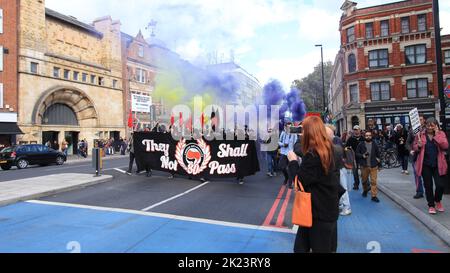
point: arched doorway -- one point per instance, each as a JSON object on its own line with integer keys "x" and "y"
{"x": 60, "y": 114}
{"x": 63, "y": 112}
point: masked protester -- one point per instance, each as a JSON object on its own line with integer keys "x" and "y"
{"x": 368, "y": 156}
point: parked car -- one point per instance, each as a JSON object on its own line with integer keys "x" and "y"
{"x": 23, "y": 156}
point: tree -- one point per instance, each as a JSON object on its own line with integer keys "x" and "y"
{"x": 311, "y": 87}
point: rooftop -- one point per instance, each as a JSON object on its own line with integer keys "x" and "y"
{"x": 73, "y": 21}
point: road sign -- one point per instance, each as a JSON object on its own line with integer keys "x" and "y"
{"x": 447, "y": 91}
{"x": 415, "y": 120}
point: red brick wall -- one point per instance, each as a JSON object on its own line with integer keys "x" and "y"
{"x": 8, "y": 39}
{"x": 396, "y": 57}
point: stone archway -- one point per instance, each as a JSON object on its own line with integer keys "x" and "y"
{"x": 77, "y": 100}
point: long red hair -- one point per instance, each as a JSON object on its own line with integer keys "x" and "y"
{"x": 315, "y": 140}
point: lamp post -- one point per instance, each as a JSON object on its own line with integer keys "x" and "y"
{"x": 323, "y": 80}
{"x": 440, "y": 77}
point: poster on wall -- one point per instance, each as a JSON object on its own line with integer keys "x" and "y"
{"x": 141, "y": 103}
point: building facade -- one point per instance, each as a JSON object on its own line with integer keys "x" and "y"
{"x": 389, "y": 62}
{"x": 9, "y": 12}
{"x": 336, "y": 94}
{"x": 139, "y": 73}
{"x": 70, "y": 77}
{"x": 249, "y": 91}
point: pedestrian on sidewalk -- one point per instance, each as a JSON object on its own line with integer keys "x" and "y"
{"x": 353, "y": 142}
{"x": 64, "y": 147}
{"x": 400, "y": 137}
{"x": 431, "y": 164}
{"x": 368, "y": 156}
{"x": 319, "y": 177}
{"x": 413, "y": 157}
{"x": 123, "y": 146}
{"x": 55, "y": 145}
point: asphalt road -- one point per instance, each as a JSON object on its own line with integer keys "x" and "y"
{"x": 124, "y": 215}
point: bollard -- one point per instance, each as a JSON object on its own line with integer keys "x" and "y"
{"x": 97, "y": 161}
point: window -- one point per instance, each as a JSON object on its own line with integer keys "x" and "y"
{"x": 84, "y": 77}
{"x": 447, "y": 56}
{"x": 351, "y": 63}
{"x": 34, "y": 67}
{"x": 101, "y": 81}
{"x": 384, "y": 28}
{"x": 114, "y": 83}
{"x": 354, "y": 93}
{"x": 141, "y": 51}
{"x": 1, "y": 21}
{"x": 422, "y": 22}
{"x": 66, "y": 74}
{"x": 1, "y": 58}
{"x": 350, "y": 34}
{"x": 369, "y": 30}
{"x": 1, "y": 95}
{"x": 75, "y": 75}
{"x": 56, "y": 72}
{"x": 417, "y": 88}
{"x": 405, "y": 25}
{"x": 380, "y": 91}
{"x": 93, "y": 79}
{"x": 140, "y": 75}
{"x": 379, "y": 58}
{"x": 415, "y": 54}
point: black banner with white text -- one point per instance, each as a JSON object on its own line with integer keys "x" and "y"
{"x": 202, "y": 158}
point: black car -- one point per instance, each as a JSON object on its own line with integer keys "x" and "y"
{"x": 24, "y": 155}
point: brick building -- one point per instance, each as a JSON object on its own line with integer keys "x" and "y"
{"x": 141, "y": 63}
{"x": 446, "y": 58}
{"x": 389, "y": 62}
{"x": 8, "y": 72}
{"x": 70, "y": 77}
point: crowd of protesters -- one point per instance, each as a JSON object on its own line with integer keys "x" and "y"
{"x": 330, "y": 172}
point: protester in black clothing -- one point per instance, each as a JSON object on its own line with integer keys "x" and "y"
{"x": 55, "y": 145}
{"x": 353, "y": 143}
{"x": 400, "y": 138}
{"x": 320, "y": 176}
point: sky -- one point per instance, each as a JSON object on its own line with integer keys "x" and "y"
{"x": 271, "y": 39}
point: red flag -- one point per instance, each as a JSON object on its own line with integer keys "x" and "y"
{"x": 189, "y": 124}
{"x": 181, "y": 119}
{"x": 130, "y": 120}
{"x": 202, "y": 120}
{"x": 172, "y": 120}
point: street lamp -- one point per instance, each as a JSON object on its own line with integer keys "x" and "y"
{"x": 440, "y": 78}
{"x": 323, "y": 80}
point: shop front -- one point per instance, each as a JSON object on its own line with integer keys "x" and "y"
{"x": 8, "y": 129}
{"x": 393, "y": 114}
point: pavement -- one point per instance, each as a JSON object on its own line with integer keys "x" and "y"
{"x": 71, "y": 159}
{"x": 36, "y": 187}
{"x": 401, "y": 189}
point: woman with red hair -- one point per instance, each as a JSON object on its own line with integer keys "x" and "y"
{"x": 320, "y": 177}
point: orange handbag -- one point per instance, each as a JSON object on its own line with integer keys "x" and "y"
{"x": 302, "y": 210}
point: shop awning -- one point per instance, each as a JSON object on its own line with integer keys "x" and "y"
{"x": 10, "y": 128}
